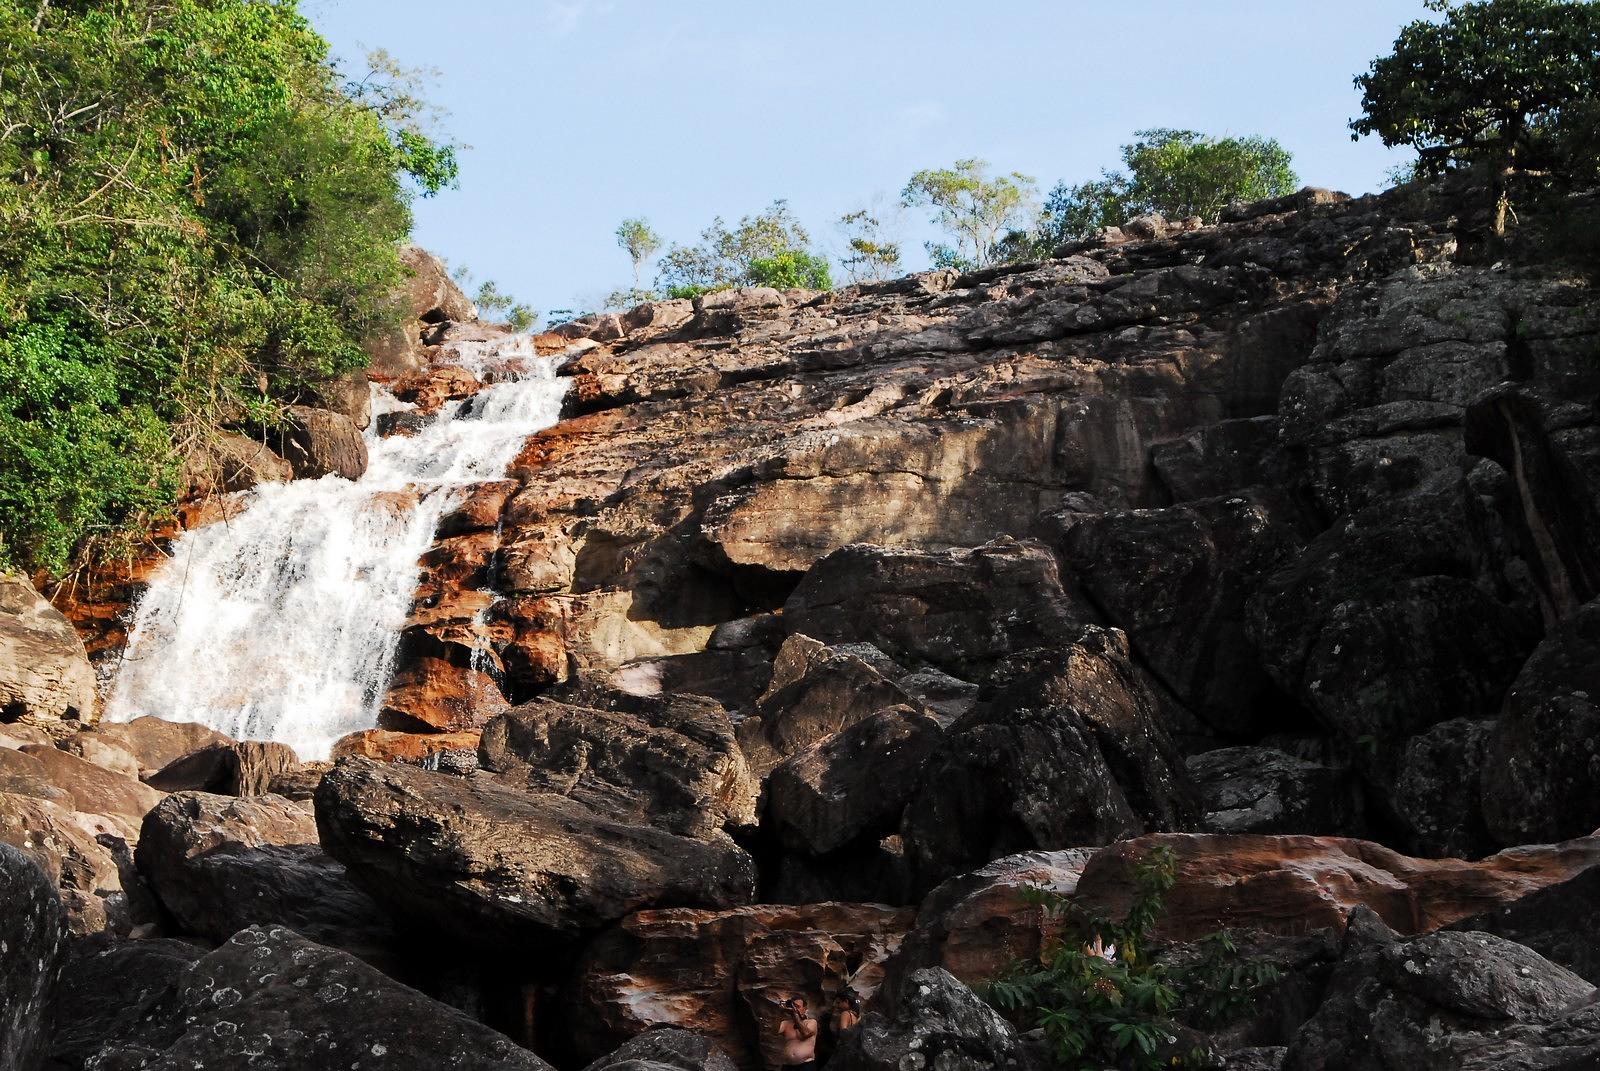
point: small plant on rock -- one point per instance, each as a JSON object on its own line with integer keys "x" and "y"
{"x": 1104, "y": 1002}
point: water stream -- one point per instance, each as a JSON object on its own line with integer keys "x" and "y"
{"x": 282, "y": 622}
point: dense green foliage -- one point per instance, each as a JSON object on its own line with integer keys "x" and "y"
{"x": 1178, "y": 173}
{"x": 197, "y": 217}
{"x": 1508, "y": 86}
{"x": 1103, "y": 1002}
{"x": 977, "y": 211}
{"x": 770, "y": 248}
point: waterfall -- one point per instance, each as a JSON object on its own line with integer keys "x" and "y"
{"x": 282, "y": 622}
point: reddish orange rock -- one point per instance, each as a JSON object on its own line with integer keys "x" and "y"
{"x": 434, "y": 694}
{"x": 721, "y": 973}
{"x": 387, "y": 746}
{"x": 1290, "y": 885}
{"x": 431, "y": 388}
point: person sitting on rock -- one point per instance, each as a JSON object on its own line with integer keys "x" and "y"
{"x": 799, "y": 1033}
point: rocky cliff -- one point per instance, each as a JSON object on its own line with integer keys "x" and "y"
{"x": 824, "y": 624}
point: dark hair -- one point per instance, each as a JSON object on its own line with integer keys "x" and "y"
{"x": 850, "y": 997}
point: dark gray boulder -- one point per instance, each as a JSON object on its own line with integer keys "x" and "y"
{"x": 1064, "y": 749}
{"x": 675, "y": 1050}
{"x": 1560, "y": 922}
{"x": 937, "y": 1023}
{"x": 32, "y": 928}
{"x": 1263, "y": 790}
{"x": 1446, "y": 1001}
{"x": 272, "y": 1000}
{"x": 1541, "y": 777}
{"x": 221, "y": 863}
{"x": 853, "y": 783}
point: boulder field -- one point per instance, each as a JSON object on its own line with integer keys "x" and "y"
{"x": 826, "y": 629}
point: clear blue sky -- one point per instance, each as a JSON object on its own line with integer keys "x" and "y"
{"x": 583, "y": 112}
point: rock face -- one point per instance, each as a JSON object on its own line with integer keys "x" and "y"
{"x": 44, "y": 670}
{"x": 234, "y": 463}
{"x": 1288, "y": 885}
{"x": 271, "y": 999}
{"x": 1447, "y": 1000}
{"x": 677, "y": 1049}
{"x": 86, "y": 857}
{"x": 498, "y": 866}
{"x": 1543, "y": 766}
{"x": 721, "y": 974}
{"x": 31, "y": 932}
{"x": 1065, "y": 749}
{"x": 233, "y": 768}
{"x": 220, "y": 864}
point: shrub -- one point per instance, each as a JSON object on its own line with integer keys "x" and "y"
{"x": 1118, "y": 1008}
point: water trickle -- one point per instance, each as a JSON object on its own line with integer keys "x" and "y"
{"x": 282, "y": 622}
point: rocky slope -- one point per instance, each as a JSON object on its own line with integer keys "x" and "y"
{"x": 824, "y": 625}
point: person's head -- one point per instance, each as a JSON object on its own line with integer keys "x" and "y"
{"x": 847, "y": 1001}
{"x": 796, "y": 1004}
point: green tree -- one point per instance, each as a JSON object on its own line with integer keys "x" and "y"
{"x": 872, "y": 255}
{"x": 792, "y": 269}
{"x": 198, "y": 216}
{"x": 1510, "y": 86}
{"x": 1178, "y": 173}
{"x": 973, "y": 208}
{"x": 640, "y": 242}
{"x": 761, "y": 247}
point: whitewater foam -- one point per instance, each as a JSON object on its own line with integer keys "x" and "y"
{"x": 282, "y": 622}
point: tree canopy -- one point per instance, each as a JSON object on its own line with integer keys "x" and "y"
{"x": 198, "y": 217}
{"x": 1508, "y": 85}
{"x": 975, "y": 209}
{"x": 1178, "y": 173}
{"x": 770, "y": 248}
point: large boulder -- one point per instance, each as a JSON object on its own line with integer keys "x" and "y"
{"x": 220, "y": 864}
{"x": 320, "y": 442}
{"x": 271, "y": 999}
{"x": 1380, "y": 627}
{"x": 428, "y": 298}
{"x": 1558, "y": 921}
{"x": 499, "y": 866}
{"x": 1541, "y": 776}
{"x": 231, "y": 768}
{"x": 1290, "y": 885}
{"x": 1263, "y": 790}
{"x": 45, "y": 674}
{"x": 86, "y": 857}
{"x": 938, "y": 1023}
{"x": 95, "y": 790}
{"x": 1447, "y": 1002}
{"x": 721, "y": 973}
{"x": 668, "y": 761}
{"x": 105, "y": 985}
{"x": 1065, "y": 749}
{"x": 32, "y": 928}
{"x": 961, "y": 610}
{"x": 666, "y": 1048}
{"x": 156, "y": 742}
{"x": 229, "y": 462}
{"x": 816, "y": 691}
{"x": 852, "y": 783}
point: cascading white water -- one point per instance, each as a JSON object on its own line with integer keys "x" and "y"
{"x": 282, "y": 622}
